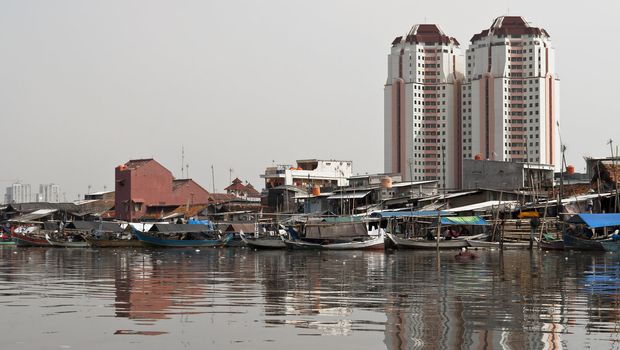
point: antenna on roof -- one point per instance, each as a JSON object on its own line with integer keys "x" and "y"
{"x": 182, "y": 160}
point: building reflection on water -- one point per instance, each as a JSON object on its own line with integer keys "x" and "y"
{"x": 509, "y": 300}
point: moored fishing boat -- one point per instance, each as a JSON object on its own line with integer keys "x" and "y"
{"x": 421, "y": 243}
{"x": 181, "y": 236}
{"x": 271, "y": 242}
{"x": 66, "y": 242}
{"x": 358, "y": 243}
{"x": 452, "y": 239}
{"x": 29, "y": 240}
{"x": 584, "y": 232}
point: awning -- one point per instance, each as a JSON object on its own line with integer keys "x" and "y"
{"x": 463, "y": 220}
{"x": 484, "y": 206}
{"x": 349, "y": 195}
{"x": 409, "y": 214}
{"x": 596, "y": 220}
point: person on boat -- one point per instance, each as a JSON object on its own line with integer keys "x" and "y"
{"x": 615, "y": 236}
{"x": 450, "y": 233}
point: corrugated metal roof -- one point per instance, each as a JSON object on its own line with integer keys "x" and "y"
{"x": 349, "y": 195}
{"x": 35, "y": 215}
{"x": 483, "y": 206}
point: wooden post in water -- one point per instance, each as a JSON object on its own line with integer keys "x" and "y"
{"x": 438, "y": 229}
{"x": 437, "y": 244}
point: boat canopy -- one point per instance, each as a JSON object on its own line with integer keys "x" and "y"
{"x": 409, "y": 214}
{"x": 464, "y": 220}
{"x": 179, "y": 228}
{"x": 596, "y": 220}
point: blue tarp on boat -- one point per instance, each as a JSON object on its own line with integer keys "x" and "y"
{"x": 463, "y": 220}
{"x": 596, "y": 220}
{"x": 409, "y": 214}
{"x": 201, "y": 222}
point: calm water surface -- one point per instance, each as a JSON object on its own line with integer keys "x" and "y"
{"x": 55, "y": 298}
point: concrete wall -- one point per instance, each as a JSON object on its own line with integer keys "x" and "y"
{"x": 492, "y": 174}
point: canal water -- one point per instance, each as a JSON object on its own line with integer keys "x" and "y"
{"x": 236, "y": 298}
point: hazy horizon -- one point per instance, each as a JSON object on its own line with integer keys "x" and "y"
{"x": 88, "y": 85}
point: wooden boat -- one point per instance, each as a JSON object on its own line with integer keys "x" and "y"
{"x": 29, "y": 240}
{"x": 68, "y": 243}
{"x": 456, "y": 243}
{"x": 263, "y": 242}
{"x": 369, "y": 244}
{"x": 578, "y": 243}
{"x": 150, "y": 239}
{"x": 556, "y": 244}
{"x": 474, "y": 243}
{"x": 372, "y": 243}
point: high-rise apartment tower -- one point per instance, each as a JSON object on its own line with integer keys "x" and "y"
{"x": 422, "y": 106}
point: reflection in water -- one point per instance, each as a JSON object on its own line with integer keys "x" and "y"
{"x": 396, "y": 300}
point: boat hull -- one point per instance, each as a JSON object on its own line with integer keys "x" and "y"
{"x": 551, "y": 245}
{"x": 495, "y": 245}
{"x": 377, "y": 243}
{"x": 61, "y": 244}
{"x": 263, "y": 243}
{"x": 577, "y": 243}
{"x": 29, "y": 241}
{"x": 179, "y": 243}
{"x": 402, "y": 243}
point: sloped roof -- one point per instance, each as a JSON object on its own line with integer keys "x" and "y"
{"x": 237, "y": 185}
{"x": 35, "y": 215}
{"x": 251, "y": 191}
{"x": 510, "y": 25}
{"x": 429, "y": 33}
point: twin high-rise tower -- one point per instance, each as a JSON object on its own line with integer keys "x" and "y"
{"x": 498, "y": 102}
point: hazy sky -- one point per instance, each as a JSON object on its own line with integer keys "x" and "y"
{"x": 87, "y": 85}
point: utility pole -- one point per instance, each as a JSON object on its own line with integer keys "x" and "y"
{"x": 213, "y": 178}
{"x": 182, "y": 160}
{"x": 615, "y": 177}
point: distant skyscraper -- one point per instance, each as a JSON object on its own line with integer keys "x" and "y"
{"x": 18, "y": 193}
{"x": 49, "y": 193}
{"x": 422, "y": 106}
{"x": 510, "y": 101}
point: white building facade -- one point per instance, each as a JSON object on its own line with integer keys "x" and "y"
{"x": 309, "y": 172}
{"x": 510, "y": 100}
{"x": 422, "y": 107}
{"x": 49, "y": 193}
{"x": 18, "y": 193}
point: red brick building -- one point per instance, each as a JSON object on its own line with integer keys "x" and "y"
{"x": 144, "y": 186}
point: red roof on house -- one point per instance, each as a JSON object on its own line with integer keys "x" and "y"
{"x": 251, "y": 191}
{"x": 237, "y": 185}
